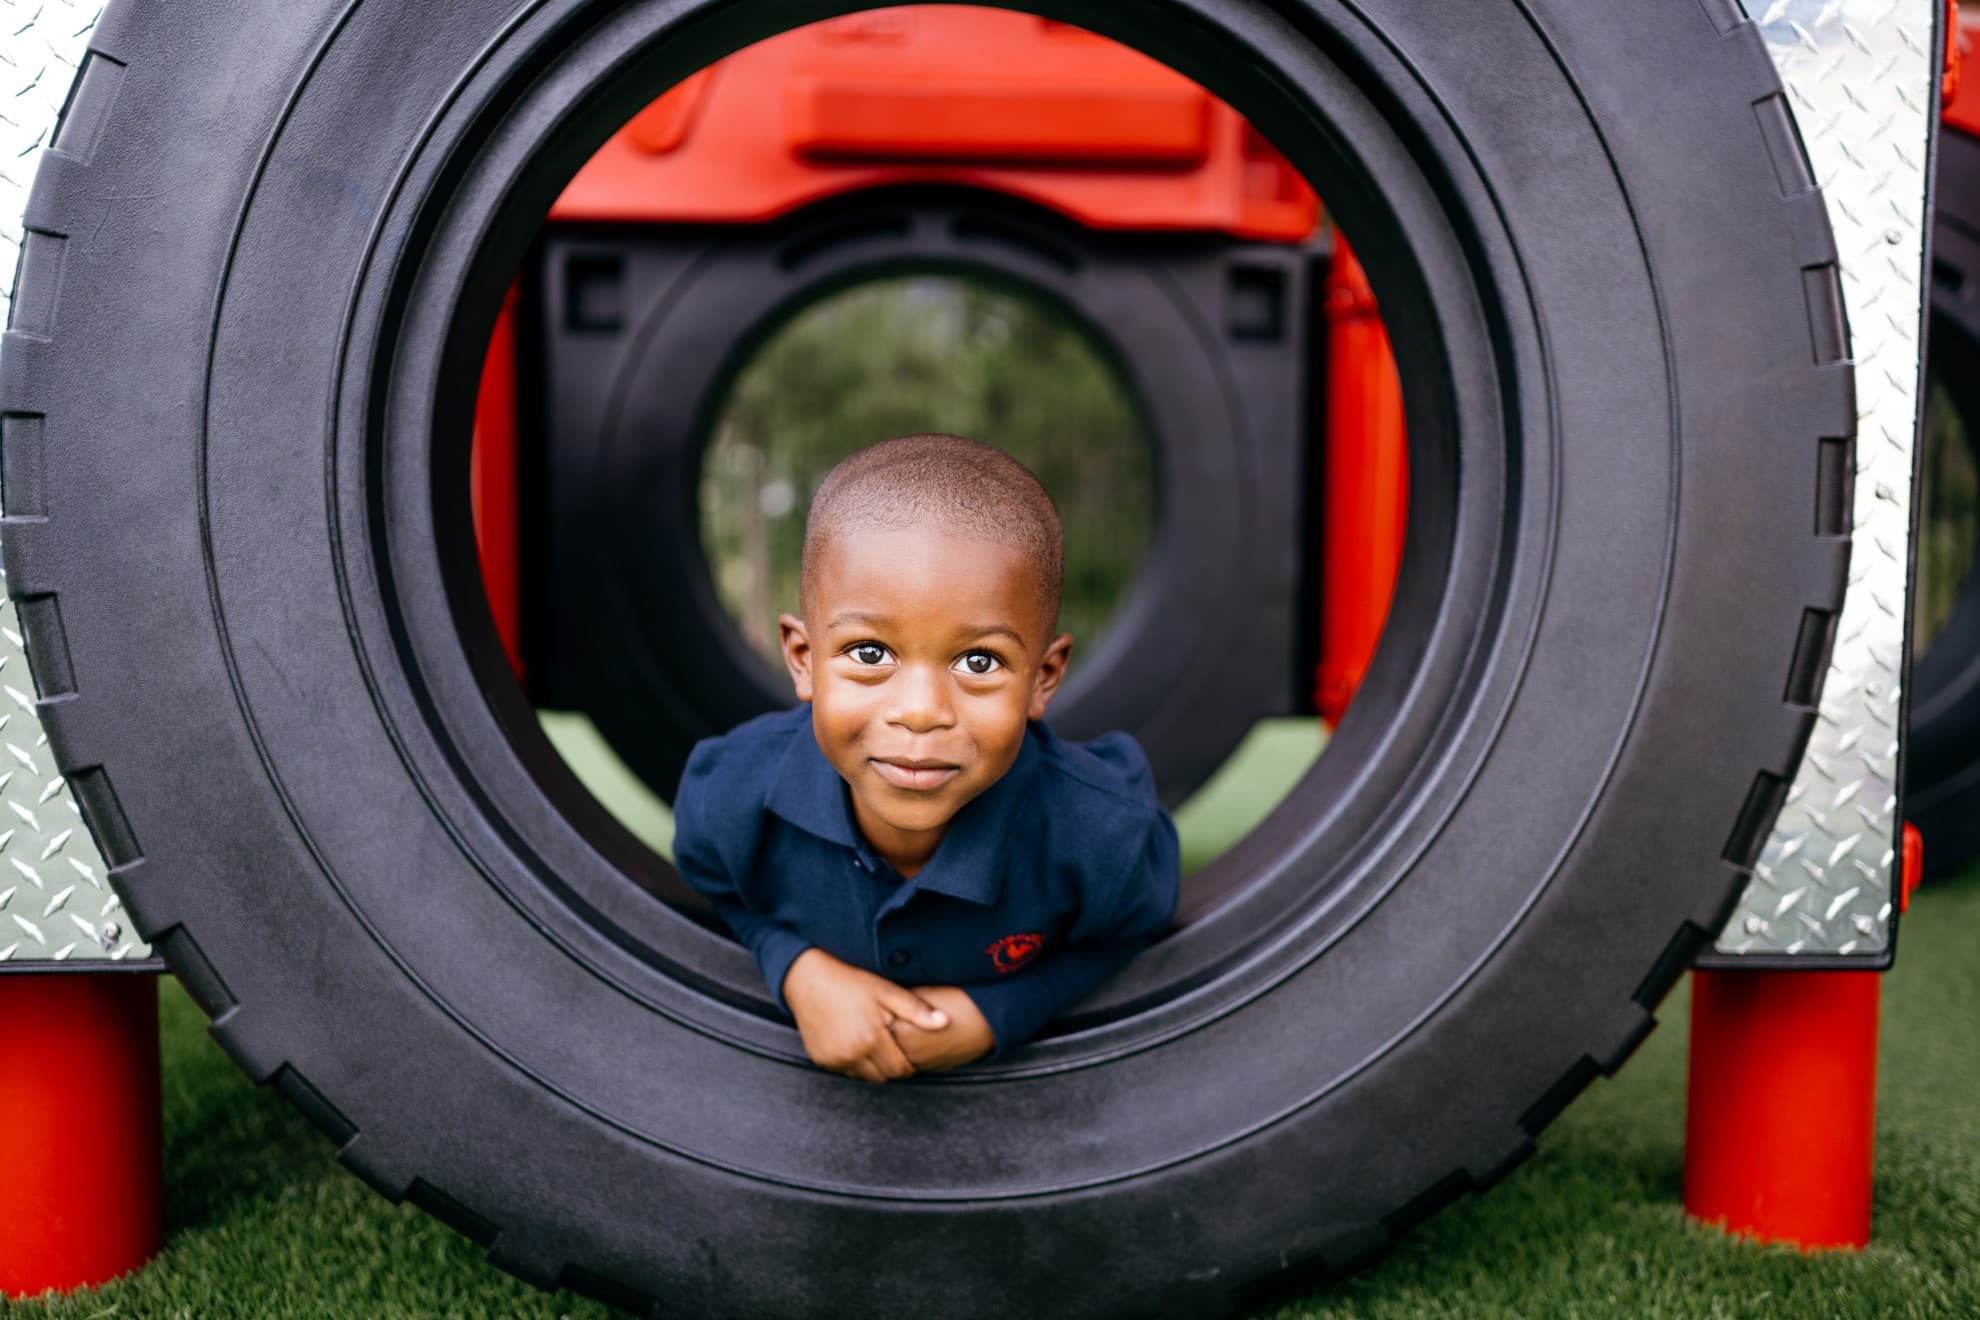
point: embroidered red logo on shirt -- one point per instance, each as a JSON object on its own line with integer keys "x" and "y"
{"x": 1014, "y": 951}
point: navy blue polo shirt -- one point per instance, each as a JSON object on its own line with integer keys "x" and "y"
{"x": 1044, "y": 885}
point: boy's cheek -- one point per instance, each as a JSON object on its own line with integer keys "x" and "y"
{"x": 836, "y": 726}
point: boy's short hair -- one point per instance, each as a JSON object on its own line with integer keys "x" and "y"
{"x": 955, "y": 484}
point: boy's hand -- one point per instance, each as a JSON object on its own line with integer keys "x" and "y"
{"x": 967, "y": 1037}
{"x": 844, "y": 1015}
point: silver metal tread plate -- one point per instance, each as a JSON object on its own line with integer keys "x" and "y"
{"x": 1862, "y": 77}
{"x": 57, "y": 911}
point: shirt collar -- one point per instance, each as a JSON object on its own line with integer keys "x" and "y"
{"x": 969, "y": 862}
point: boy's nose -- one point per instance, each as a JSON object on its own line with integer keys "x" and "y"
{"x": 921, "y": 700}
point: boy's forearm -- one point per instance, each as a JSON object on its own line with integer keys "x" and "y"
{"x": 775, "y": 948}
{"x": 1020, "y": 1004}
{"x": 773, "y": 945}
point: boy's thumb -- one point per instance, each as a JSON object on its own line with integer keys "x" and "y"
{"x": 917, "y": 1010}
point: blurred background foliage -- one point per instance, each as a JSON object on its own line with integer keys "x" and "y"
{"x": 1948, "y": 519}
{"x": 925, "y": 352}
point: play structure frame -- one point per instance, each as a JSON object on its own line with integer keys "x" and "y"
{"x": 1766, "y": 1026}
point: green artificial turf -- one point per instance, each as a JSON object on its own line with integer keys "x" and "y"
{"x": 260, "y": 1221}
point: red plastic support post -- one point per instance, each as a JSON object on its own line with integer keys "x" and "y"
{"x": 80, "y": 1177}
{"x": 1366, "y": 484}
{"x": 1781, "y": 1103}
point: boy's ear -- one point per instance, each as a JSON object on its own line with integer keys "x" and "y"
{"x": 1051, "y": 673}
{"x": 797, "y": 653}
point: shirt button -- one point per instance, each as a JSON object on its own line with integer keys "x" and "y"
{"x": 899, "y": 958}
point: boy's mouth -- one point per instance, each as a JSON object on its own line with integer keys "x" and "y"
{"x": 918, "y": 776}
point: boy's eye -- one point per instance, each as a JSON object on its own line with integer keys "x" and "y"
{"x": 869, "y": 653}
{"x": 979, "y": 663}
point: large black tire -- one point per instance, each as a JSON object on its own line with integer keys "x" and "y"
{"x": 262, "y": 264}
{"x": 1942, "y": 744}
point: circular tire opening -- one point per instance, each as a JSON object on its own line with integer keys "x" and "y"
{"x": 1193, "y": 364}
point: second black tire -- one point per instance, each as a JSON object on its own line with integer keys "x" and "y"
{"x": 261, "y": 265}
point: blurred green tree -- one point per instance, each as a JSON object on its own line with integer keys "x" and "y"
{"x": 926, "y": 352}
{"x": 1948, "y": 519}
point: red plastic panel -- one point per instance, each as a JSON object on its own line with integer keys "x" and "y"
{"x": 1366, "y": 494}
{"x": 493, "y": 478}
{"x": 1962, "y": 94}
{"x": 1010, "y": 122}
{"x": 950, "y": 94}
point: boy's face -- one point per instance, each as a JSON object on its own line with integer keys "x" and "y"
{"x": 923, "y": 655}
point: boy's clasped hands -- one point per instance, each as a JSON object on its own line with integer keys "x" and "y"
{"x": 863, "y": 1025}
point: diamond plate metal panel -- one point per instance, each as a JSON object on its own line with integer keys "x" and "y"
{"x": 55, "y": 905}
{"x": 41, "y": 43}
{"x": 1862, "y": 77}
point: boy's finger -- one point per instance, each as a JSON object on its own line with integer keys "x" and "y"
{"x": 906, "y": 1003}
{"x": 891, "y": 1058}
{"x": 865, "y": 1071}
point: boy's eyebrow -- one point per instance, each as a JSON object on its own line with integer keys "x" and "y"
{"x": 845, "y": 617}
{"x": 997, "y": 630}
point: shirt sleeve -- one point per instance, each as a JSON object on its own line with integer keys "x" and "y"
{"x": 1124, "y": 920}
{"x": 699, "y": 856}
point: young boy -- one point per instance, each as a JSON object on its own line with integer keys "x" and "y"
{"x": 914, "y": 822}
